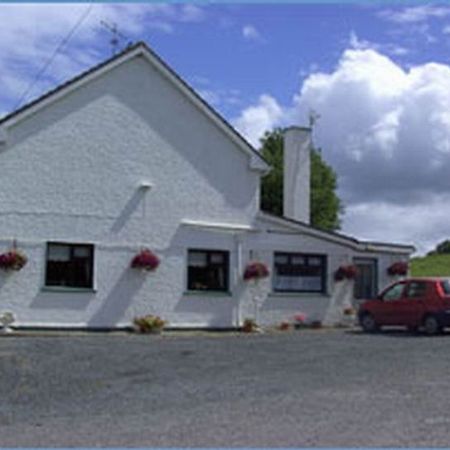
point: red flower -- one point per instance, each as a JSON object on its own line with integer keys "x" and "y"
{"x": 346, "y": 273}
{"x": 398, "y": 268}
{"x": 255, "y": 271}
{"x": 12, "y": 260}
{"x": 145, "y": 260}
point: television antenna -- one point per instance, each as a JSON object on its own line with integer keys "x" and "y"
{"x": 116, "y": 36}
{"x": 313, "y": 117}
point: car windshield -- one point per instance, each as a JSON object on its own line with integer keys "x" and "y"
{"x": 446, "y": 286}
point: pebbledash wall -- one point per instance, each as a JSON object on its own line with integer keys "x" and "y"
{"x": 124, "y": 159}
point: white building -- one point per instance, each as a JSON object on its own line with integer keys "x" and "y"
{"x": 127, "y": 156}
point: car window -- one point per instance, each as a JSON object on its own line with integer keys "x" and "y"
{"x": 416, "y": 289}
{"x": 394, "y": 293}
{"x": 446, "y": 286}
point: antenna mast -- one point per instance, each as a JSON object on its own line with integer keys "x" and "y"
{"x": 313, "y": 117}
{"x": 116, "y": 35}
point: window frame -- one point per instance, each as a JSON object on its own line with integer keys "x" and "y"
{"x": 209, "y": 252}
{"x": 307, "y": 256}
{"x": 72, "y": 246}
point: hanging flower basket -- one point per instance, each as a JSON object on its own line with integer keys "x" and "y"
{"x": 12, "y": 260}
{"x": 398, "y": 268}
{"x": 346, "y": 273}
{"x": 255, "y": 271}
{"x": 145, "y": 260}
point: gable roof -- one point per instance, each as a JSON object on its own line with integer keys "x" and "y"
{"x": 140, "y": 48}
{"x": 338, "y": 238}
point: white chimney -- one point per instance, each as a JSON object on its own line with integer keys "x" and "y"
{"x": 297, "y": 169}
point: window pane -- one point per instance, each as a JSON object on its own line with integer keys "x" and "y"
{"x": 217, "y": 258}
{"x": 314, "y": 261}
{"x": 281, "y": 259}
{"x": 81, "y": 252}
{"x": 446, "y": 286}
{"x": 297, "y": 260}
{"x": 394, "y": 293}
{"x": 197, "y": 259}
{"x": 416, "y": 289}
{"x": 58, "y": 253}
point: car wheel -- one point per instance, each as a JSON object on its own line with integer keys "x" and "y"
{"x": 431, "y": 325}
{"x": 368, "y": 323}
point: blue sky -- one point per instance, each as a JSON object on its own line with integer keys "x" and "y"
{"x": 378, "y": 75}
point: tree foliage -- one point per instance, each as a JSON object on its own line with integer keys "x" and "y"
{"x": 326, "y": 206}
{"x": 441, "y": 248}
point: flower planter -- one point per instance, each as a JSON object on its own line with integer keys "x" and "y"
{"x": 12, "y": 260}
{"x": 145, "y": 260}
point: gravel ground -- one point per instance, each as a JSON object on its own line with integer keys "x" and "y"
{"x": 307, "y": 388}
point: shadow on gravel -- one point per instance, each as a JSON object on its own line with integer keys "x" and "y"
{"x": 398, "y": 333}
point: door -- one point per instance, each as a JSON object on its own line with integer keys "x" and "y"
{"x": 366, "y": 281}
{"x": 415, "y": 298}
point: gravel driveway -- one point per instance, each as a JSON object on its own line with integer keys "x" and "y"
{"x": 307, "y": 388}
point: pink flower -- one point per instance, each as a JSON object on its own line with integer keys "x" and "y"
{"x": 146, "y": 260}
{"x": 255, "y": 271}
{"x": 398, "y": 268}
{"x": 346, "y": 272}
{"x": 300, "y": 318}
{"x": 12, "y": 260}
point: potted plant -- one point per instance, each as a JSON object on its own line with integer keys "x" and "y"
{"x": 256, "y": 271}
{"x": 6, "y": 319}
{"x": 12, "y": 260}
{"x": 398, "y": 268}
{"x": 299, "y": 321}
{"x": 149, "y": 324}
{"x": 249, "y": 326}
{"x": 347, "y": 272}
{"x": 284, "y": 326}
{"x": 145, "y": 260}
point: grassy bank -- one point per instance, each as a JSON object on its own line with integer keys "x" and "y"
{"x": 433, "y": 265}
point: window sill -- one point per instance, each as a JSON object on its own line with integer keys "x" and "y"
{"x": 207, "y": 294}
{"x": 68, "y": 289}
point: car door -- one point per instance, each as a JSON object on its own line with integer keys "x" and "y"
{"x": 414, "y": 302}
{"x": 390, "y": 305}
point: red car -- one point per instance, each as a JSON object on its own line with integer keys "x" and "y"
{"x": 413, "y": 303}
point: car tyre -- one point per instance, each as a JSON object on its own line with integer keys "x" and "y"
{"x": 368, "y": 323}
{"x": 431, "y": 325}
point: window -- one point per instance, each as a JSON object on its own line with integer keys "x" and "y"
{"x": 445, "y": 284}
{"x": 394, "y": 293}
{"x": 70, "y": 265}
{"x": 416, "y": 289}
{"x": 295, "y": 272}
{"x": 208, "y": 270}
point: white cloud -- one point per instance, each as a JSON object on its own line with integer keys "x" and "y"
{"x": 415, "y": 14}
{"x": 30, "y": 33}
{"x": 386, "y": 131}
{"x": 250, "y": 33}
{"x": 361, "y": 44}
{"x": 257, "y": 119}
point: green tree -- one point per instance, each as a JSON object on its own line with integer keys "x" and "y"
{"x": 326, "y": 206}
{"x": 442, "y": 248}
